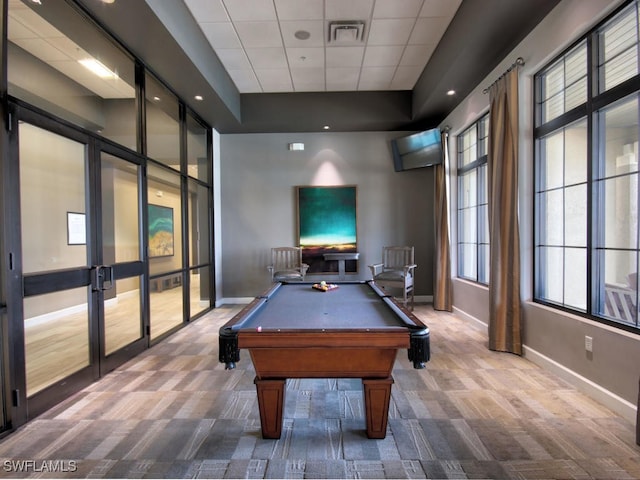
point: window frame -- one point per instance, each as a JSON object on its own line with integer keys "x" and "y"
{"x": 597, "y": 101}
{"x": 479, "y": 165}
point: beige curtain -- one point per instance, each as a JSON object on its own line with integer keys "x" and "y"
{"x": 504, "y": 285}
{"x": 442, "y": 296}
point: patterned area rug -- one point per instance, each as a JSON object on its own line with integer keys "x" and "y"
{"x": 175, "y": 412}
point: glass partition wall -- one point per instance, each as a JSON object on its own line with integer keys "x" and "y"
{"x": 114, "y": 246}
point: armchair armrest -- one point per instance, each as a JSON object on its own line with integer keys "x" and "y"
{"x": 376, "y": 269}
{"x": 409, "y": 268}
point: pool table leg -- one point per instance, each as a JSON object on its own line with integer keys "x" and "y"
{"x": 377, "y": 394}
{"x": 271, "y": 404}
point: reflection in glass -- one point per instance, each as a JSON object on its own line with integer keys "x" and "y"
{"x": 166, "y": 304}
{"x": 199, "y": 291}
{"x": 163, "y": 128}
{"x": 164, "y": 197}
{"x": 52, "y": 184}
{"x": 56, "y": 336}
{"x": 122, "y": 324}
{"x": 54, "y": 68}
{"x": 120, "y": 223}
{"x": 199, "y": 222}
{"x": 197, "y": 160}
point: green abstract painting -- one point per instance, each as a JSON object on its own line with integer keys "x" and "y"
{"x": 326, "y": 223}
{"x": 160, "y": 231}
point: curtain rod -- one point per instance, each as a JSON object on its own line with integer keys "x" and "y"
{"x": 518, "y": 63}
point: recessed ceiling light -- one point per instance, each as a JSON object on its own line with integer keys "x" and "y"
{"x": 198, "y": 98}
{"x": 451, "y": 92}
{"x": 156, "y": 99}
{"x": 326, "y": 127}
{"x": 108, "y": 1}
{"x": 302, "y": 35}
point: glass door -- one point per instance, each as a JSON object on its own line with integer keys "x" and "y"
{"x": 120, "y": 298}
{"x": 81, "y": 261}
{"x": 56, "y": 268}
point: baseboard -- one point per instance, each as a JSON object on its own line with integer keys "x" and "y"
{"x": 234, "y": 301}
{"x": 475, "y": 321}
{"x": 613, "y": 402}
{"x": 607, "y": 398}
{"x": 246, "y": 300}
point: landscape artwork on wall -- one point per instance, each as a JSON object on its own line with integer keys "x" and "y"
{"x": 327, "y": 224}
{"x": 160, "y": 231}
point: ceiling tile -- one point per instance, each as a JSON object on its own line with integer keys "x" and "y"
{"x": 348, "y": 10}
{"x": 440, "y": 8}
{"x": 342, "y": 79}
{"x": 316, "y": 29}
{"x": 41, "y": 48}
{"x": 417, "y": 55}
{"x": 405, "y": 78}
{"x": 69, "y": 47}
{"x": 380, "y": 56}
{"x": 428, "y": 30}
{"x": 397, "y": 8}
{"x": 376, "y": 78}
{"x": 250, "y": 10}
{"x": 269, "y": 58}
{"x": 259, "y": 34}
{"x": 394, "y": 31}
{"x": 208, "y": 10}
{"x": 399, "y": 34}
{"x": 34, "y": 22}
{"x": 344, "y": 56}
{"x": 233, "y": 58}
{"x": 308, "y": 79}
{"x": 274, "y": 80}
{"x": 300, "y": 9}
{"x": 221, "y": 35}
{"x": 17, "y": 30}
{"x": 305, "y": 57}
{"x": 245, "y": 81}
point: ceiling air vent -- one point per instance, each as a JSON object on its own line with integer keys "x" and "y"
{"x": 346, "y": 32}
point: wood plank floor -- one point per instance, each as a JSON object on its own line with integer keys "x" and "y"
{"x": 472, "y": 413}
{"x": 57, "y": 345}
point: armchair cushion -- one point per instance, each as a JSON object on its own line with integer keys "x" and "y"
{"x": 288, "y": 275}
{"x": 392, "y": 275}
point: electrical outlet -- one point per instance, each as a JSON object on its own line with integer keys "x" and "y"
{"x": 588, "y": 343}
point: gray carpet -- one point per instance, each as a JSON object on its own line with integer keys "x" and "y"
{"x": 472, "y": 413}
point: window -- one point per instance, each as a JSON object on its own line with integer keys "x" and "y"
{"x": 473, "y": 220}
{"x": 586, "y": 175}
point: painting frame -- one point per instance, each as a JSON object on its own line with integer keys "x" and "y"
{"x": 76, "y": 228}
{"x": 161, "y": 231}
{"x": 327, "y": 223}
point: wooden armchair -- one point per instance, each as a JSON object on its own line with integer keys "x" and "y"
{"x": 286, "y": 264}
{"x": 396, "y": 271}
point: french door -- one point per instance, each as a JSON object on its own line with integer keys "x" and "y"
{"x": 78, "y": 256}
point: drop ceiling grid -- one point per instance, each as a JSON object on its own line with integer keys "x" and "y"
{"x": 255, "y": 41}
{"x": 29, "y": 31}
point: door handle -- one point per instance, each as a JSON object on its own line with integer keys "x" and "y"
{"x": 102, "y": 278}
{"x": 107, "y": 280}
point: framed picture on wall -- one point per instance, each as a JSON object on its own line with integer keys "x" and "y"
{"x": 327, "y": 224}
{"x": 160, "y": 231}
{"x": 76, "y": 228}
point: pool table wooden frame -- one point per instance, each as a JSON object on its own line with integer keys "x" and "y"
{"x": 366, "y": 353}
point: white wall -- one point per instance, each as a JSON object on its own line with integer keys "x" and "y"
{"x": 552, "y": 338}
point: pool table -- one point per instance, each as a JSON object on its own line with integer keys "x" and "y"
{"x": 296, "y": 331}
